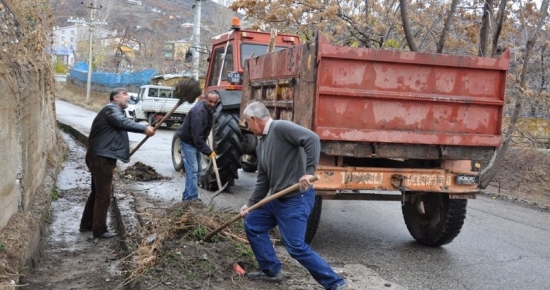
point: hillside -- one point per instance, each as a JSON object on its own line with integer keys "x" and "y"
{"x": 163, "y": 18}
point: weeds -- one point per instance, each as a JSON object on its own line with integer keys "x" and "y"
{"x": 199, "y": 232}
{"x": 55, "y": 194}
{"x": 1, "y": 246}
{"x": 244, "y": 251}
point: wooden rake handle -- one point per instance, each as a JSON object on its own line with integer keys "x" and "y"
{"x": 157, "y": 125}
{"x": 259, "y": 204}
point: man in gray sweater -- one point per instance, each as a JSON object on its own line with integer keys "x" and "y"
{"x": 287, "y": 153}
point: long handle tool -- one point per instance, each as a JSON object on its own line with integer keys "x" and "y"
{"x": 218, "y": 180}
{"x": 257, "y": 205}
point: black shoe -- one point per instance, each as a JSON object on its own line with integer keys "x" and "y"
{"x": 105, "y": 235}
{"x": 263, "y": 276}
{"x": 82, "y": 229}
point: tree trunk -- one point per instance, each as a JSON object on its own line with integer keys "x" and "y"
{"x": 485, "y": 27}
{"x": 498, "y": 25}
{"x": 406, "y": 26}
{"x": 489, "y": 173}
{"x": 447, "y": 26}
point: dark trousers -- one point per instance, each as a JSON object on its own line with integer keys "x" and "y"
{"x": 95, "y": 211}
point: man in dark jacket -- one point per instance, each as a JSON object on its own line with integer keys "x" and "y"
{"x": 192, "y": 134}
{"x": 107, "y": 143}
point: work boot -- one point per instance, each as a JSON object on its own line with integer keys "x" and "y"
{"x": 263, "y": 276}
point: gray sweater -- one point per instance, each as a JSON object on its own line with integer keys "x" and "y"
{"x": 285, "y": 154}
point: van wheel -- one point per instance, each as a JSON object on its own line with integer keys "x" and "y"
{"x": 433, "y": 219}
{"x": 151, "y": 120}
{"x": 177, "y": 155}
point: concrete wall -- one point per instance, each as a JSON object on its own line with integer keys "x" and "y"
{"x": 27, "y": 116}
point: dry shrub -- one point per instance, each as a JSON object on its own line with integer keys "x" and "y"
{"x": 185, "y": 221}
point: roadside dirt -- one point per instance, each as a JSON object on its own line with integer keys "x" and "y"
{"x": 524, "y": 177}
{"x": 141, "y": 172}
{"x": 71, "y": 259}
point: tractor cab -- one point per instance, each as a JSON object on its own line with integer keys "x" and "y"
{"x": 228, "y": 54}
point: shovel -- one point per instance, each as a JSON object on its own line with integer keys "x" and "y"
{"x": 257, "y": 205}
{"x": 157, "y": 125}
{"x": 218, "y": 180}
{"x": 185, "y": 90}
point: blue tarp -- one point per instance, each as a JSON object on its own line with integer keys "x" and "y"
{"x": 80, "y": 72}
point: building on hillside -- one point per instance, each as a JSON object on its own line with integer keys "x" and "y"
{"x": 75, "y": 37}
{"x": 64, "y": 55}
{"x": 120, "y": 51}
{"x": 176, "y": 50}
{"x": 67, "y": 37}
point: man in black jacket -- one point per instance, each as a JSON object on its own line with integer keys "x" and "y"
{"x": 107, "y": 143}
{"x": 192, "y": 134}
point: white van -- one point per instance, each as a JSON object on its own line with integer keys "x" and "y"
{"x": 153, "y": 102}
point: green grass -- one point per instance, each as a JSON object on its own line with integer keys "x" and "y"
{"x": 1, "y": 246}
{"x": 199, "y": 232}
{"x": 244, "y": 251}
{"x": 55, "y": 194}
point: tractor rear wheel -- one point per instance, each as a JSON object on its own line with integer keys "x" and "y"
{"x": 228, "y": 140}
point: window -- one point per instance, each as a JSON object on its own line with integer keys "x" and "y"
{"x": 141, "y": 92}
{"x": 165, "y": 93}
{"x": 72, "y": 39}
{"x": 249, "y": 50}
{"x": 169, "y": 51}
{"x": 228, "y": 65}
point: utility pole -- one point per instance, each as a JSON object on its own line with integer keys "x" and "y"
{"x": 196, "y": 39}
{"x": 90, "y": 25}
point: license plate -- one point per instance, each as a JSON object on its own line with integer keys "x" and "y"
{"x": 466, "y": 179}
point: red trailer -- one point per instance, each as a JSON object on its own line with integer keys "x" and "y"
{"x": 394, "y": 125}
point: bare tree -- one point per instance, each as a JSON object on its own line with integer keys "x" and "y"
{"x": 491, "y": 170}
{"x": 406, "y": 25}
{"x": 448, "y": 21}
{"x": 485, "y": 27}
{"x": 498, "y": 25}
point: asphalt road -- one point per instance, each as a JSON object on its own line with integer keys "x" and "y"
{"x": 503, "y": 245}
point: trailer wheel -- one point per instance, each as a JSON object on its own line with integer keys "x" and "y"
{"x": 227, "y": 144}
{"x": 177, "y": 156}
{"x": 313, "y": 220}
{"x": 433, "y": 219}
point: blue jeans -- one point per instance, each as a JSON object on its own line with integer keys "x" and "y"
{"x": 291, "y": 216}
{"x": 191, "y": 159}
